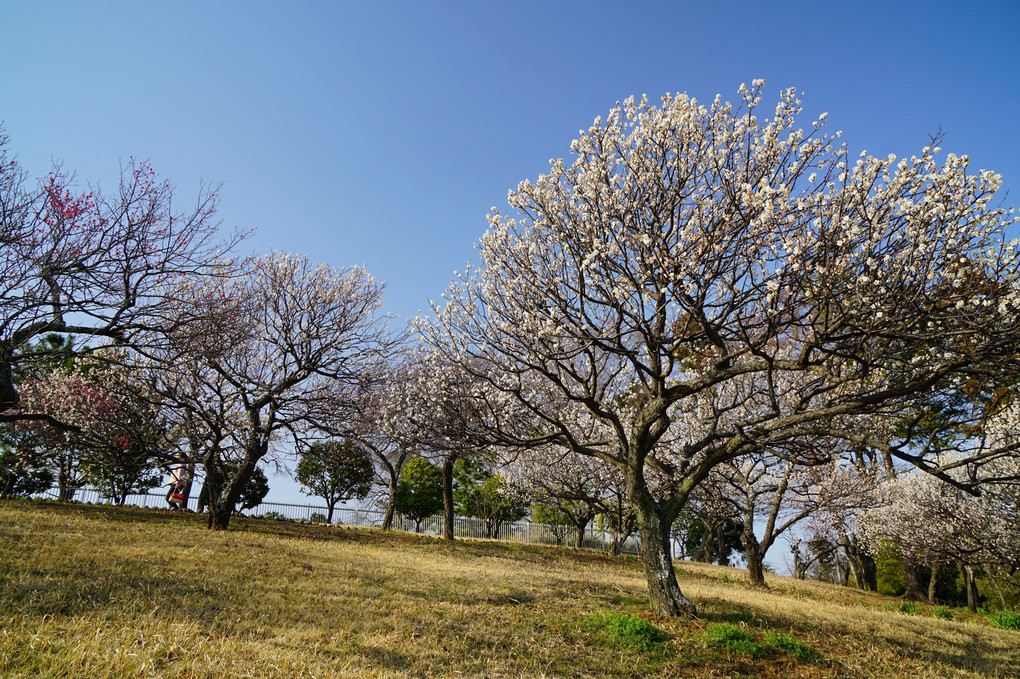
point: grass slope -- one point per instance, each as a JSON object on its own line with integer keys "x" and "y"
{"x": 102, "y": 592}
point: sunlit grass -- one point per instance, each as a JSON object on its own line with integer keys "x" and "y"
{"x": 102, "y": 592}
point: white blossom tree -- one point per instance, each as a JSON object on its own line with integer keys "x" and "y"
{"x": 275, "y": 354}
{"x": 382, "y": 419}
{"x": 579, "y": 487}
{"x": 936, "y": 524}
{"x": 691, "y": 247}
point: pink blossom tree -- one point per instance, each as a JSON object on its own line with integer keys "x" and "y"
{"x": 93, "y": 264}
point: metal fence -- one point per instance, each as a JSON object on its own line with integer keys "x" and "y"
{"x": 524, "y": 532}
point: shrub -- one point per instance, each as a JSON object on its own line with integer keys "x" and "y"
{"x": 909, "y": 608}
{"x": 793, "y": 647}
{"x": 626, "y": 630}
{"x": 277, "y": 516}
{"x": 733, "y": 640}
{"x": 943, "y": 612}
{"x": 317, "y": 517}
{"x": 1005, "y": 620}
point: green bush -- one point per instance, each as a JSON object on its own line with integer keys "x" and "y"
{"x": 1005, "y": 620}
{"x": 733, "y": 640}
{"x": 793, "y": 647}
{"x": 626, "y": 630}
{"x": 317, "y": 517}
{"x": 943, "y": 612}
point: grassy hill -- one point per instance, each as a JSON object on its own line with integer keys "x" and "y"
{"x": 103, "y": 592}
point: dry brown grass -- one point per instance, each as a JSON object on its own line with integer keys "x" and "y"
{"x": 98, "y": 592}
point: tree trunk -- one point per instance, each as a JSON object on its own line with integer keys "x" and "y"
{"x": 971, "y": 586}
{"x": 65, "y": 491}
{"x": 995, "y": 584}
{"x": 933, "y": 582}
{"x": 913, "y": 580}
{"x": 223, "y": 501}
{"x": 755, "y": 557}
{"x": 579, "y": 537}
{"x": 844, "y": 567}
{"x": 869, "y": 570}
{"x": 723, "y": 558}
{"x": 448, "y": 496}
{"x": 387, "y": 522}
{"x": 702, "y": 552}
{"x": 656, "y": 555}
{"x": 219, "y": 515}
{"x": 853, "y": 563}
{"x": 329, "y": 514}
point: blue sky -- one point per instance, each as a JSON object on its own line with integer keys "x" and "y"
{"x": 380, "y": 133}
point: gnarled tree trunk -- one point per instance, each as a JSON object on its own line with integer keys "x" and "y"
{"x": 971, "y": 586}
{"x": 388, "y": 518}
{"x": 755, "y": 557}
{"x": 912, "y": 577}
{"x": 933, "y": 582}
{"x": 656, "y": 555}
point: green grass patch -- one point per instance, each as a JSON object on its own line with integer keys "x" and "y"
{"x": 733, "y": 639}
{"x": 1005, "y": 620}
{"x": 944, "y": 612}
{"x": 793, "y": 647}
{"x": 631, "y": 631}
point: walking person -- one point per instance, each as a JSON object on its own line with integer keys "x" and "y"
{"x": 178, "y": 480}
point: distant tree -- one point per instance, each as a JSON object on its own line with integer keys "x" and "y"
{"x": 336, "y": 471}
{"x": 483, "y": 494}
{"x": 578, "y": 487}
{"x": 557, "y": 522}
{"x": 120, "y": 440}
{"x": 275, "y": 352}
{"x": 420, "y": 491}
{"x": 381, "y": 419}
{"x": 255, "y": 490}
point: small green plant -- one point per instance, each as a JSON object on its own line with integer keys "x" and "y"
{"x": 943, "y": 612}
{"x": 274, "y": 515}
{"x": 733, "y": 640}
{"x": 626, "y": 630}
{"x": 317, "y": 517}
{"x": 1005, "y": 620}
{"x": 725, "y": 577}
{"x": 909, "y": 608}
{"x": 793, "y": 647}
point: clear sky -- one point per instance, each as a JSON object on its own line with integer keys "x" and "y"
{"x": 380, "y": 133}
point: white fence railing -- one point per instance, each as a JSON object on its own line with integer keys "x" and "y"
{"x": 524, "y": 532}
